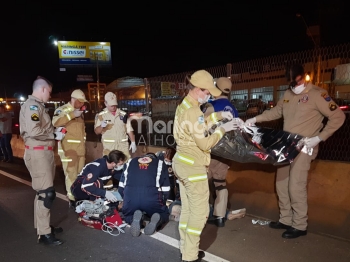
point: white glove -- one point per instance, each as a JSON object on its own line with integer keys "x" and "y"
{"x": 250, "y": 121}
{"x": 77, "y": 113}
{"x": 239, "y": 122}
{"x": 104, "y": 123}
{"x": 229, "y": 126}
{"x": 227, "y": 114}
{"x": 110, "y": 196}
{"x": 59, "y": 133}
{"x": 312, "y": 142}
{"x": 132, "y": 147}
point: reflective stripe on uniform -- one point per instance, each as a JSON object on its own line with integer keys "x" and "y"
{"x": 219, "y": 132}
{"x": 214, "y": 118}
{"x": 68, "y": 116}
{"x": 73, "y": 141}
{"x": 86, "y": 185}
{"x": 60, "y": 150}
{"x": 184, "y": 159}
{"x": 66, "y": 160}
{"x": 109, "y": 140}
{"x": 105, "y": 177}
{"x": 199, "y": 177}
{"x": 159, "y": 172}
{"x": 186, "y": 103}
{"x": 182, "y": 226}
{"x": 164, "y": 188}
{"x": 193, "y": 231}
{"x": 123, "y": 183}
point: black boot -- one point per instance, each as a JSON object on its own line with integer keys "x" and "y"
{"x": 278, "y": 225}
{"x": 201, "y": 254}
{"x": 56, "y": 230}
{"x": 49, "y": 239}
{"x": 294, "y": 233}
{"x": 72, "y": 204}
{"x": 218, "y": 221}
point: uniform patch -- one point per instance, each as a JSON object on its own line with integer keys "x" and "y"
{"x": 143, "y": 166}
{"x": 170, "y": 170}
{"x": 89, "y": 176}
{"x": 58, "y": 112}
{"x": 145, "y": 160}
{"x": 121, "y": 117}
{"x": 33, "y": 107}
{"x": 305, "y": 98}
{"x": 34, "y": 117}
{"x": 285, "y": 101}
{"x": 326, "y": 97}
{"x": 201, "y": 119}
{"x": 332, "y": 106}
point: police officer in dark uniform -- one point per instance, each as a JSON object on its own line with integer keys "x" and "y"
{"x": 145, "y": 188}
{"x": 89, "y": 184}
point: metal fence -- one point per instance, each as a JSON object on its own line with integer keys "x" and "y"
{"x": 258, "y": 85}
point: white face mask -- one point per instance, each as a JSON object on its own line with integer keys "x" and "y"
{"x": 168, "y": 163}
{"x": 202, "y": 101}
{"x": 298, "y": 89}
{"x": 117, "y": 168}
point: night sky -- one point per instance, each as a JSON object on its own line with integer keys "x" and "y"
{"x": 154, "y": 40}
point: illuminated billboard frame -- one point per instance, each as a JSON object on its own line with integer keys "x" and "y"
{"x": 84, "y": 53}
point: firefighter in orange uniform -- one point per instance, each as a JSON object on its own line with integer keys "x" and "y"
{"x": 192, "y": 158}
{"x": 72, "y": 148}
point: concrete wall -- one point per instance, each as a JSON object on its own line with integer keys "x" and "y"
{"x": 253, "y": 186}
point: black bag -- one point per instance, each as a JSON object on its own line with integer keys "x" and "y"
{"x": 259, "y": 145}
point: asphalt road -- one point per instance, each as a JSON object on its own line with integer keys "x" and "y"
{"x": 239, "y": 241}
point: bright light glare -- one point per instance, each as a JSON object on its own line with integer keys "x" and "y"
{"x": 307, "y": 78}
{"x": 21, "y": 98}
{"x": 102, "y": 43}
{"x": 55, "y": 42}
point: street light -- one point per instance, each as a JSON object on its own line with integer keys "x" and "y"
{"x": 307, "y": 77}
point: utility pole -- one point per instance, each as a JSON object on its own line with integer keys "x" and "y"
{"x": 97, "y": 88}
{"x": 316, "y": 46}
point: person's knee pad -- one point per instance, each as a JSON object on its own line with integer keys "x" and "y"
{"x": 50, "y": 195}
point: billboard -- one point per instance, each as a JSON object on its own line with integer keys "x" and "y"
{"x": 84, "y": 53}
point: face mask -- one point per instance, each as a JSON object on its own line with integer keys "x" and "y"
{"x": 203, "y": 100}
{"x": 117, "y": 168}
{"x": 168, "y": 163}
{"x": 298, "y": 89}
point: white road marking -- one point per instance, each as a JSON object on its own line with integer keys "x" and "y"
{"x": 159, "y": 236}
{"x": 23, "y": 181}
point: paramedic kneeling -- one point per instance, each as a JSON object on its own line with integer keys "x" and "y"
{"x": 89, "y": 184}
